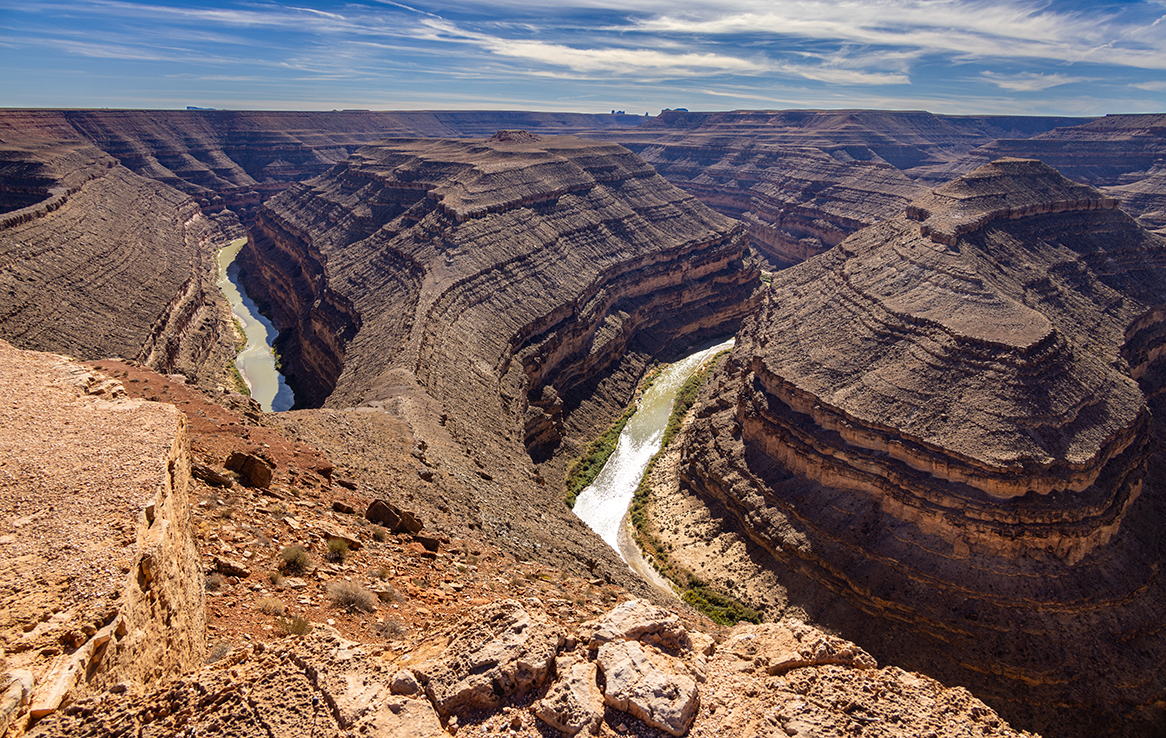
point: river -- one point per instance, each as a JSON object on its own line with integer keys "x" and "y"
{"x": 604, "y": 504}
{"x": 256, "y": 362}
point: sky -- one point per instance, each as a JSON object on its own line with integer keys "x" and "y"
{"x": 1056, "y": 57}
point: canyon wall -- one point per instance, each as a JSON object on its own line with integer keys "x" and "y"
{"x": 236, "y": 159}
{"x": 804, "y": 180}
{"x": 944, "y": 435}
{"x": 100, "y": 582}
{"x": 510, "y": 268}
{"x": 502, "y": 296}
{"x": 1122, "y": 155}
{"x": 98, "y": 261}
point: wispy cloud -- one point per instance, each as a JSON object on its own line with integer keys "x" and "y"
{"x": 1030, "y": 81}
{"x": 629, "y": 53}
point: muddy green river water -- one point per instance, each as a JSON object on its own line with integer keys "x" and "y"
{"x": 255, "y": 362}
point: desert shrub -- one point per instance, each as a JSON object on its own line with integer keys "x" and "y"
{"x": 294, "y": 625}
{"x": 390, "y": 629}
{"x": 337, "y": 549}
{"x": 352, "y": 597}
{"x": 295, "y": 559}
{"x": 270, "y": 606}
{"x": 215, "y": 582}
{"x": 380, "y": 572}
{"x": 378, "y": 534}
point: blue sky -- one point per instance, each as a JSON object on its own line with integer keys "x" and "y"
{"x": 948, "y": 56}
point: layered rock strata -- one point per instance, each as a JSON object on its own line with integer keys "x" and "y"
{"x": 107, "y": 263}
{"x": 805, "y": 180}
{"x": 237, "y": 159}
{"x": 1122, "y": 155}
{"x": 100, "y": 582}
{"x": 942, "y": 436}
{"x": 504, "y": 276}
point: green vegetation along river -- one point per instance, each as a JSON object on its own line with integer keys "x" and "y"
{"x": 256, "y": 362}
{"x": 604, "y": 504}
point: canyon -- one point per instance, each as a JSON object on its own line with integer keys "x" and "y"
{"x": 466, "y": 299}
{"x": 944, "y": 438}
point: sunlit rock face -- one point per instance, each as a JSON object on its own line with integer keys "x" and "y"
{"x": 1122, "y": 155}
{"x": 944, "y": 433}
{"x": 504, "y": 276}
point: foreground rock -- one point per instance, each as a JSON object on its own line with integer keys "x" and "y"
{"x": 942, "y": 435}
{"x": 100, "y": 582}
{"x": 324, "y": 684}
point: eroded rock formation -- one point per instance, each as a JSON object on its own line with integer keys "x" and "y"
{"x": 804, "y": 180}
{"x": 504, "y": 277}
{"x": 100, "y": 582}
{"x": 1122, "y": 155}
{"x": 98, "y": 261}
{"x": 943, "y": 436}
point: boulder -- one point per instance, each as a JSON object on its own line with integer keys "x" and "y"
{"x": 210, "y": 475}
{"x": 502, "y": 650}
{"x": 401, "y": 718}
{"x": 637, "y": 620}
{"x": 648, "y": 684}
{"x": 328, "y": 532}
{"x": 782, "y": 647}
{"x": 229, "y": 567}
{"x": 404, "y": 683}
{"x": 574, "y": 702}
{"x": 253, "y": 471}
{"x": 392, "y": 517}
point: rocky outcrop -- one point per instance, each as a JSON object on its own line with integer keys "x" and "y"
{"x": 805, "y": 180}
{"x": 942, "y": 435}
{"x": 100, "y": 582}
{"x": 109, "y": 263}
{"x": 1122, "y": 155}
{"x": 325, "y": 683}
{"x": 504, "y": 277}
{"x": 501, "y": 652}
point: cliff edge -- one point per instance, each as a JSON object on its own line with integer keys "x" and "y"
{"x": 943, "y": 436}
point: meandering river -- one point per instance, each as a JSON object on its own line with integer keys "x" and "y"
{"x": 604, "y": 505}
{"x": 256, "y": 362}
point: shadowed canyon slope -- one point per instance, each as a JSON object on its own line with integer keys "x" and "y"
{"x": 98, "y": 261}
{"x": 944, "y": 433}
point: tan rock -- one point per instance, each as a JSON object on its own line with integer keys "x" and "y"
{"x": 574, "y": 702}
{"x": 648, "y": 684}
{"x": 501, "y": 650}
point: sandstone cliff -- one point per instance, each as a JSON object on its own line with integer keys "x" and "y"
{"x": 96, "y": 261}
{"x": 804, "y": 180}
{"x": 1122, "y": 155}
{"x": 100, "y": 582}
{"x": 943, "y": 438}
